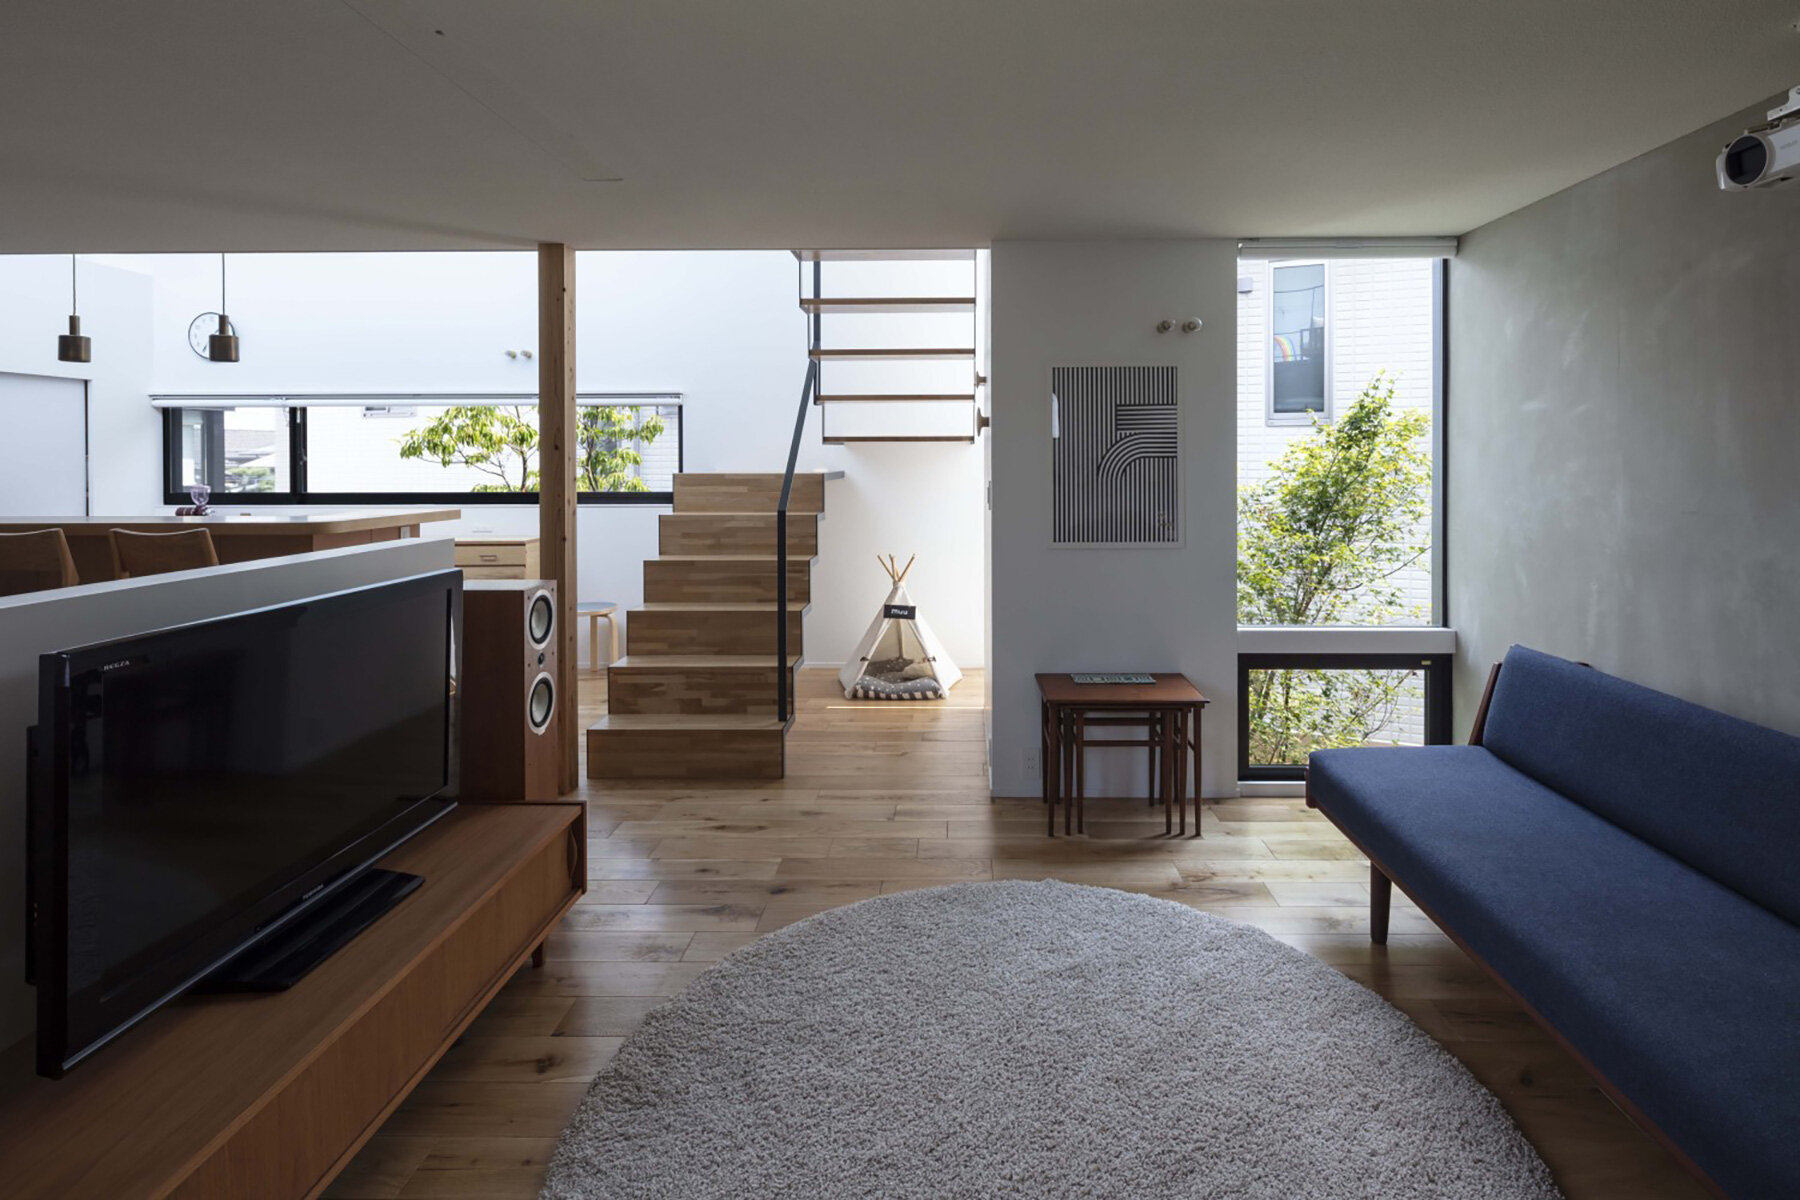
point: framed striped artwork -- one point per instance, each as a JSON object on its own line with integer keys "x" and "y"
{"x": 1115, "y": 456}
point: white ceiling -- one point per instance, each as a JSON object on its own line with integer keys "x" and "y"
{"x": 168, "y": 125}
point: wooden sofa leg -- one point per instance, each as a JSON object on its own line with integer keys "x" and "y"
{"x": 1381, "y": 895}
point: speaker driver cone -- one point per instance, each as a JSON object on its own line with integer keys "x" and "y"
{"x": 540, "y": 620}
{"x": 542, "y": 704}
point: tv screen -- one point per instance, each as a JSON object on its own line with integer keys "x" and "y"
{"x": 197, "y": 788}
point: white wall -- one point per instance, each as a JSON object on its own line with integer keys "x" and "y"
{"x": 116, "y": 311}
{"x": 722, "y": 329}
{"x": 1117, "y": 609}
{"x": 49, "y": 415}
{"x": 42, "y": 622}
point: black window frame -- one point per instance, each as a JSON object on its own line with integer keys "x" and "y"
{"x": 1436, "y": 668}
{"x": 299, "y": 493}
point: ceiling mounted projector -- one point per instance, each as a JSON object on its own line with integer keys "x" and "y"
{"x": 1767, "y": 155}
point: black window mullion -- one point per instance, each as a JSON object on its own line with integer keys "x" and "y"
{"x": 297, "y": 454}
{"x": 1434, "y": 667}
{"x": 212, "y": 471}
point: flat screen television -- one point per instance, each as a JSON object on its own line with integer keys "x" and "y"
{"x": 197, "y": 791}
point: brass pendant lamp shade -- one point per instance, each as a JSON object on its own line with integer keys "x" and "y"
{"x": 72, "y": 346}
{"x": 223, "y": 345}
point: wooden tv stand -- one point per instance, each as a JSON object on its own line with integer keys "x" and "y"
{"x": 249, "y": 1096}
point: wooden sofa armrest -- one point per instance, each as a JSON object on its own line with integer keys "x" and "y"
{"x": 1481, "y": 710}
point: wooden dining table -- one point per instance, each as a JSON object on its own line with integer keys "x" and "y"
{"x": 238, "y": 536}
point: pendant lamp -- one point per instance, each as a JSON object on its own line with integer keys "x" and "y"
{"x": 72, "y": 346}
{"x": 223, "y": 345}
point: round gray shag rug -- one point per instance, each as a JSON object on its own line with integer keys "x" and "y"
{"x": 1034, "y": 1040}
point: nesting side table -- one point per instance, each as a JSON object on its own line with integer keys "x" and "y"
{"x": 1168, "y": 711}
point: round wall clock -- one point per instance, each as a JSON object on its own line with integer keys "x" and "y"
{"x": 203, "y": 327}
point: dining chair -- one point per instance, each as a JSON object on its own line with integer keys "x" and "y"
{"x": 135, "y": 553}
{"x": 35, "y": 562}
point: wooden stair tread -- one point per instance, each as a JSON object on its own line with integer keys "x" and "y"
{"x": 844, "y": 441}
{"x": 686, "y": 722}
{"x": 876, "y": 398}
{"x": 926, "y": 255}
{"x": 767, "y": 606}
{"x": 700, "y": 662}
{"x": 894, "y": 353}
{"x": 888, "y": 304}
{"x": 733, "y": 556}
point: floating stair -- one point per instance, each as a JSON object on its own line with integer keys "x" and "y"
{"x": 913, "y": 401}
{"x": 892, "y": 304}
{"x": 850, "y": 440}
{"x": 695, "y": 695}
{"x": 893, "y": 353}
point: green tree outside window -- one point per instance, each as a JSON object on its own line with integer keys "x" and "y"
{"x": 502, "y": 442}
{"x": 1321, "y": 542}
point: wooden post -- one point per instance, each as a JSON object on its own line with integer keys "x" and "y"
{"x": 557, "y": 450}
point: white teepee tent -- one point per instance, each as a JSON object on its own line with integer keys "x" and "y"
{"x": 899, "y": 658}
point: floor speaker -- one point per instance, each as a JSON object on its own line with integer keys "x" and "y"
{"x": 510, "y": 745}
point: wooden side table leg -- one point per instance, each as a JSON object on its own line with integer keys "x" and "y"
{"x": 1150, "y": 771}
{"x": 1199, "y": 717}
{"x": 612, "y": 637}
{"x": 593, "y": 641}
{"x": 1043, "y": 754}
{"x": 1071, "y": 743}
{"x": 1170, "y": 774}
{"x": 1181, "y": 779}
{"x": 1080, "y": 774}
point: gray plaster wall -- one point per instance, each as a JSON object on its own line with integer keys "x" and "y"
{"x": 1624, "y": 433}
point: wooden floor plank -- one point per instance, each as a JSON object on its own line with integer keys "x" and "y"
{"x": 886, "y": 798}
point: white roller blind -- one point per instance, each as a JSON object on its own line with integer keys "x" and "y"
{"x": 1349, "y": 247}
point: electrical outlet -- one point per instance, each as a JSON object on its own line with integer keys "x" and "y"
{"x": 1031, "y": 762}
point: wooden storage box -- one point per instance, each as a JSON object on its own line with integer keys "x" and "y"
{"x": 498, "y": 558}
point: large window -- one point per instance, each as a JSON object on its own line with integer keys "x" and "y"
{"x": 1299, "y": 343}
{"x": 1337, "y": 514}
{"x": 1339, "y": 405}
{"x": 417, "y": 449}
{"x": 1292, "y": 704}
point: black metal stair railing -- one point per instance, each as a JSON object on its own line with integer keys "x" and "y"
{"x": 784, "y": 693}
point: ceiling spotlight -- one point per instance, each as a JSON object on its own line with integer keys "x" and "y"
{"x": 72, "y": 346}
{"x": 223, "y": 345}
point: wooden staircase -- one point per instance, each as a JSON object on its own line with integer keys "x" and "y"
{"x": 695, "y": 695}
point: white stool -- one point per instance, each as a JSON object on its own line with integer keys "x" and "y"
{"x": 596, "y": 611}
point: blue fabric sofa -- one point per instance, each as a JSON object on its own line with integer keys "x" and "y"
{"x": 1628, "y": 865}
